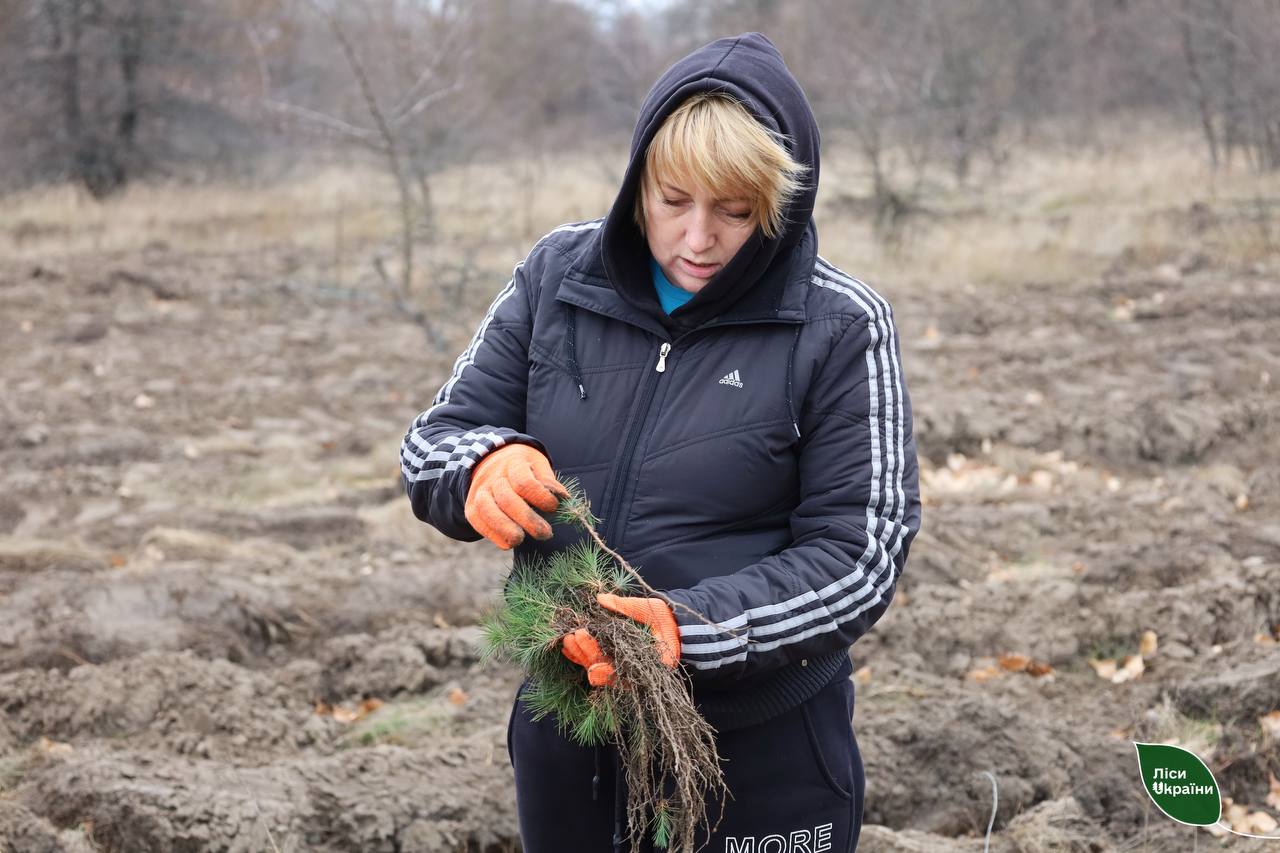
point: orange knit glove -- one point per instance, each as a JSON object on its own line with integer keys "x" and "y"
{"x": 583, "y": 649}
{"x": 655, "y": 613}
{"x": 506, "y": 486}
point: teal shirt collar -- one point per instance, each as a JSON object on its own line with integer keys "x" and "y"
{"x": 670, "y": 296}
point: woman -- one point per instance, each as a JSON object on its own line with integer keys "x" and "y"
{"x": 734, "y": 408}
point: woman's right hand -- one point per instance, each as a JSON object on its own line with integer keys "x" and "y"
{"x": 506, "y": 486}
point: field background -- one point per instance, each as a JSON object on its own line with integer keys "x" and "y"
{"x": 221, "y": 627}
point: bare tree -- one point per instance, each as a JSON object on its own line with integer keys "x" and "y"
{"x": 104, "y": 91}
{"x": 1233, "y": 75}
{"x": 423, "y": 72}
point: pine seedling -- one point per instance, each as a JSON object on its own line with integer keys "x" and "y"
{"x": 667, "y": 748}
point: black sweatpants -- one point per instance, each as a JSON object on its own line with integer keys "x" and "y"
{"x": 796, "y": 781}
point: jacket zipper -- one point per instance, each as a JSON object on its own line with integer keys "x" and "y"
{"x": 662, "y": 357}
{"x": 612, "y": 525}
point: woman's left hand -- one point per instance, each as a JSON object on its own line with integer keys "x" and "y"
{"x": 584, "y": 650}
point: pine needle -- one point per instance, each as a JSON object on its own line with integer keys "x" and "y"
{"x": 661, "y": 825}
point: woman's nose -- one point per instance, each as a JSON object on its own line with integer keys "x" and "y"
{"x": 700, "y": 237}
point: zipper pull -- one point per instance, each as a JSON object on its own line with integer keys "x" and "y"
{"x": 662, "y": 357}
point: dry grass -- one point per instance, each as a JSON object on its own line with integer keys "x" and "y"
{"x": 1063, "y": 214}
{"x": 64, "y": 220}
{"x": 1167, "y": 724}
{"x": 1054, "y": 214}
{"x": 353, "y": 206}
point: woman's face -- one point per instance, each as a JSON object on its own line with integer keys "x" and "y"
{"x": 691, "y": 233}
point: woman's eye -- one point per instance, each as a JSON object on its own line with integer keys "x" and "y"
{"x": 740, "y": 217}
{"x": 671, "y": 202}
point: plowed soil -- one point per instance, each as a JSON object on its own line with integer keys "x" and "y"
{"x": 210, "y": 577}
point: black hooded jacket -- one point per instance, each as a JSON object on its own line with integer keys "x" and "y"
{"x": 751, "y": 454}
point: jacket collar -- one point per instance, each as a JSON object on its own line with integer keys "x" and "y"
{"x": 778, "y": 297}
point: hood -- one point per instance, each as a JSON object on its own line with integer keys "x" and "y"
{"x": 750, "y": 69}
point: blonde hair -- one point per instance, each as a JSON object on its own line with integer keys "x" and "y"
{"x": 712, "y": 140}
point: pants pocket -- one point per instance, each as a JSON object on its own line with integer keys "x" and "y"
{"x": 511, "y": 721}
{"x": 830, "y": 733}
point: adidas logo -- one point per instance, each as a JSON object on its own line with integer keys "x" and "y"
{"x": 732, "y": 379}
